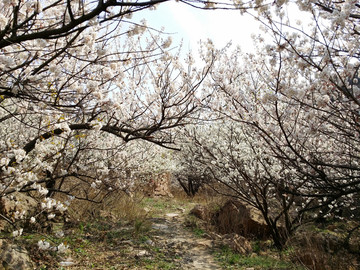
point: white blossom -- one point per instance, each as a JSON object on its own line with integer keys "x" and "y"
{"x": 62, "y": 248}
{"x": 17, "y": 233}
{"x": 43, "y": 245}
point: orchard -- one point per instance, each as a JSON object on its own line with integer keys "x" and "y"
{"x": 92, "y": 102}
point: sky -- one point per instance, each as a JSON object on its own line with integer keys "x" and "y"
{"x": 191, "y": 25}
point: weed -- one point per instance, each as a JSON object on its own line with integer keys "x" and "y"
{"x": 80, "y": 250}
{"x": 112, "y": 235}
{"x": 143, "y": 238}
{"x": 141, "y": 226}
{"x": 227, "y": 256}
{"x": 232, "y": 260}
{"x": 256, "y": 247}
{"x": 199, "y": 232}
{"x": 29, "y": 236}
{"x": 191, "y": 221}
{"x": 156, "y": 264}
{"x": 166, "y": 265}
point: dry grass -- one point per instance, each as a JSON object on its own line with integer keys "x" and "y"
{"x": 117, "y": 206}
{"x": 323, "y": 248}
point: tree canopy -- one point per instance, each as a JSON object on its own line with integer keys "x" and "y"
{"x": 80, "y": 83}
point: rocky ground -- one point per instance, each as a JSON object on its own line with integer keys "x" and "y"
{"x": 160, "y": 242}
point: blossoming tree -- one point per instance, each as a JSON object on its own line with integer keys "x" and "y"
{"x": 78, "y": 80}
{"x": 288, "y": 139}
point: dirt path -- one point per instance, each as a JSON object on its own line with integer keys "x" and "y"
{"x": 192, "y": 252}
{"x": 161, "y": 241}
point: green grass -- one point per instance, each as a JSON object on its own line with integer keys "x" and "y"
{"x": 155, "y": 264}
{"x": 199, "y": 232}
{"x": 231, "y": 260}
{"x": 160, "y": 206}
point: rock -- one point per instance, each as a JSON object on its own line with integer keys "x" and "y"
{"x": 127, "y": 242}
{"x": 237, "y": 243}
{"x": 13, "y": 257}
{"x": 149, "y": 242}
{"x": 182, "y": 210}
{"x": 201, "y": 212}
{"x": 206, "y": 243}
{"x": 159, "y": 185}
{"x": 188, "y": 260}
{"x": 236, "y": 217}
{"x": 172, "y": 215}
{"x": 68, "y": 262}
{"x": 160, "y": 226}
{"x": 162, "y": 185}
{"x": 214, "y": 235}
{"x": 142, "y": 253}
{"x": 16, "y": 202}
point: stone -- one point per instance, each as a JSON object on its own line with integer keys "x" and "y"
{"x": 162, "y": 185}
{"x": 127, "y": 242}
{"x": 13, "y": 257}
{"x": 206, "y": 243}
{"x": 159, "y": 185}
{"x": 67, "y": 262}
{"x": 142, "y": 253}
{"x": 172, "y": 215}
{"x": 149, "y": 242}
{"x": 200, "y": 212}
{"x": 237, "y": 243}
{"x": 16, "y": 202}
{"x": 236, "y": 217}
{"x": 159, "y": 226}
{"x": 182, "y": 210}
